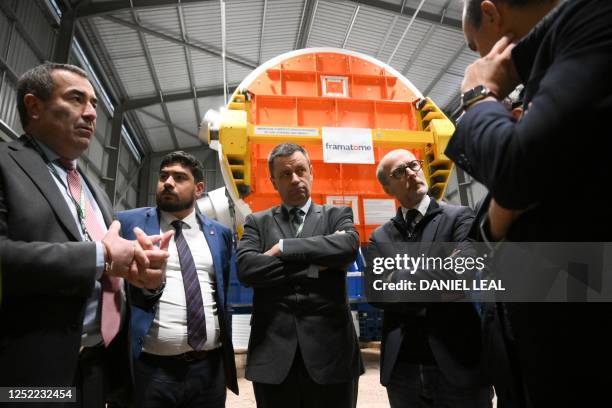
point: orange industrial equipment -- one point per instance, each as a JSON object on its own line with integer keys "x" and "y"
{"x": 296, "y": 97}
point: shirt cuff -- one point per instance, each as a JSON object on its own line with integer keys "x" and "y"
{"x": 280, "y": 245}
{"x": 99, "y": 260}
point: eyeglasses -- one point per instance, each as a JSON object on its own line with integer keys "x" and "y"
{"x": 399, "y": 171}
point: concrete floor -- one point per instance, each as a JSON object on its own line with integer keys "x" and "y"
{"x": 371, "y": 393}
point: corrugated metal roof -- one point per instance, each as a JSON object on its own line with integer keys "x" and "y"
{"x": 369, "y": 30}
{"x": 331, "y": 21}
{"x": 424, "y": 54}
{"x": 203, "y": 22}
{"x": 169, "y": 63}
{"x": 185, "y": 140}
{"x": 282, "y": 25}
{"x": 182, "y": 113}
{"x": 244, "y": 20}
{"x": 160, "y": 139}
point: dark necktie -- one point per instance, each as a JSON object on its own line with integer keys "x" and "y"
{"x": 110, "y": 319}
{"x": 297, "y": 220}
{"x": 411, "y": 216}
{"x": 196, "y": 323}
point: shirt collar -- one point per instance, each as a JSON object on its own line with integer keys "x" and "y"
{"x": 49, "y": 153}
{"x": 191, "y": 220}
{"x": 304, "y": 208}
{"x": 421, "y": 207}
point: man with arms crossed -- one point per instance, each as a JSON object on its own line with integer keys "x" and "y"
{"x": 303, "y": 351}
{"x": 430, "y": 353}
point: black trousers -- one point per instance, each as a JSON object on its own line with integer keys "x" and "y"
{"x": 101, "y": 378}
{"x": 299, "y": 390}
{"x": 424, "y": 386}
{"x": 167, "y": 381}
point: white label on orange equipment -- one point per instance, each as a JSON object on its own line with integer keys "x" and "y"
{"x": 349, "y": 201}
{"x": 347, "y": 145}
{"x": 377, "y": 211}
{"x": 268, "y": 130}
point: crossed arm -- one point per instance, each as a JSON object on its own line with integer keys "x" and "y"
{"x": 301, "y": 257}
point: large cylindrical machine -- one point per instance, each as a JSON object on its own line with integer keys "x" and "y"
{"x": 312, "y": 96}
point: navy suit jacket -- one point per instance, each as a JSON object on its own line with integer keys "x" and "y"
{"x": 553, "y": 162}
{"x": 219, "y": 239}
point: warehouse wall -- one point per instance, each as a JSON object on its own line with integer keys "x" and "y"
{"x": 473, "y": 189}
{"x": 27, "y": 38}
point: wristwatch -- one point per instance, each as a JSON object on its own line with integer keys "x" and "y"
{"x": 474, "y": 95}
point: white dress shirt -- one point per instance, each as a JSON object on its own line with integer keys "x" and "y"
{"x": 168, "y": 333}
{"x": 421, "y": 208}
{"x": 90, "y": 335}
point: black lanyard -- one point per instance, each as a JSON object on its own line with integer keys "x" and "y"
{"x": 80, "y": 207}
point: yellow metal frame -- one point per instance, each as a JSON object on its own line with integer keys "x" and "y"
{"x": 236, "y": 133}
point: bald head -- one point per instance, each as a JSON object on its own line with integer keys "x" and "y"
{"x": 401, "y": 176}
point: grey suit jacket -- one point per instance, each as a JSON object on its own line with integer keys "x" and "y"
{"x": 47, "y": 273}
{"x": 295, "y": 304}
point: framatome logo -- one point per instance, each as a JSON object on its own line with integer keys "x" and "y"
{"x": 348, "y": 147}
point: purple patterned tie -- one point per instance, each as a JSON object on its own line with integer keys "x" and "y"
{"x": 196, "y": 324}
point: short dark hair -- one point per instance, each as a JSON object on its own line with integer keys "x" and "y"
{"x": 473, "y": 13}
{"x": 284, "y": 150}
{"x": 39, "y": 82}
{"x": 186, "y": 160}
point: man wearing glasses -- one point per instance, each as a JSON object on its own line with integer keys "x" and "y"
{"x": 430, "y": 352}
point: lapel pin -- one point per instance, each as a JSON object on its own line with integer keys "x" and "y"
{"x": 212, "y": 232}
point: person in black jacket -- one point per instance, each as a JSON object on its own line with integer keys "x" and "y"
{"x": 564, "y": 63}
{"x": 430, "y": 352}
{"x": 303, "y": 349}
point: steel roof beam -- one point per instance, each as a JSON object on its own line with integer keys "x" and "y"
{"x": 350, "y": 26}
{"x": 188, "y": 61}
{"x": 263, "y": 29}
{"x": 113, "y": 84}
{"x": 173, "y": 39}
{"x": 153, "y": 73}
{"x": 98, "y": 9}
{"x": 12, "y": 16}
{"x": 420, "y": 48}
{"x": 308, "y": 13}
{"x": 444, "y": 70}
{"x": 61, "y": 51}
{"x": 12, "y": 75}
{"x": 138, "y": 103}
{"x": 162, "y": 120}
{"x": 439, "y": 19}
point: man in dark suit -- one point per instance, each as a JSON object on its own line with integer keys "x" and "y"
{"x": 63, "y": 316}
{"x": 181, "y": 339}
{"x": 430, "y": 353}
{"x": 303, "y": 350}
{"x": 563, "y": 349}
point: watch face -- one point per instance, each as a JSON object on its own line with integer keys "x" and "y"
{"x": 473, "y": 95}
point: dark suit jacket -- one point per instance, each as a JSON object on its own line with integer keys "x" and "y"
{"x": 291, "y": 309}
{"x": 219, "y": 239}
{"x": 536, "y": 163}
{"x": 447, "y": 332}
{"x": 47, "y": 274}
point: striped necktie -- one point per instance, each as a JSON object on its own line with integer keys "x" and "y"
{"x": 110, "y": 320}
{"x": 196, "y": 323}
{"x": 297, "y": 220}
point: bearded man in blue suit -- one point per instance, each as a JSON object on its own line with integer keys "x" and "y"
{"x": 181, "y": 338}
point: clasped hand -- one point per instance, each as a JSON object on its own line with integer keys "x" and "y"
{"x": 141, "y": 262}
